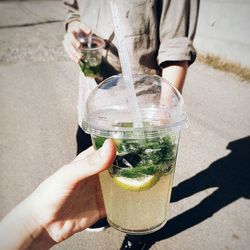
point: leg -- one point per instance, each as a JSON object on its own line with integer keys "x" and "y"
{"x": 83, "y": 140}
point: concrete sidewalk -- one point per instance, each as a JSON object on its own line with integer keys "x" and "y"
{"x": 24, "y": 13}
{"x": 38, "y": 95}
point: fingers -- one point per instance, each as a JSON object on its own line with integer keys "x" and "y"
{"x": 71, "y": 44}
{"x": 72, "y": 47}
{"x": 83, "y": 28}
{"x": 74, "y": 41}
{"x": 95, "y": 162}
{"x": 84, "y": 154}
{"x": 99, "y": 160}
{"x": 105, "y": 155}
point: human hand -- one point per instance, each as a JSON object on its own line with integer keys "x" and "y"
{"x": 71, "y": 200}
{"x": 65, "y": 203}
{"x": 71, "y": 44}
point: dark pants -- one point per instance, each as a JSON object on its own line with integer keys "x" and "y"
{"x": 83, "y": 140}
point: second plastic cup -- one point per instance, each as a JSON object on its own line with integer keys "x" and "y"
{"x": 137, "y": 187}
{"x": 92, "y": 56}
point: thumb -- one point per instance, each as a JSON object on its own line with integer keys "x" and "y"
{"x": 95, "y": 162}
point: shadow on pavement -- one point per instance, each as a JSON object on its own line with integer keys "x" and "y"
{"x": 230, "y": 174}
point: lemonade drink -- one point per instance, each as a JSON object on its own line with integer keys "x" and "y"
{"x": 137, "y": 187}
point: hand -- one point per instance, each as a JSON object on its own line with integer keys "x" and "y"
{"x": 71, "y": 45}
{"x": 67, "y": 202}
{"x": 71, "y": 200}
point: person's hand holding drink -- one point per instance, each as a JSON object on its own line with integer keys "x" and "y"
{"x": 84, "y": 48}
{"x": 71, "y": 43}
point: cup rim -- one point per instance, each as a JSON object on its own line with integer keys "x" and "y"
{"x": 100, "y": 44}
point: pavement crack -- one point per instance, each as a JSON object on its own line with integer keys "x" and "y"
{"x": 30, "y": 24}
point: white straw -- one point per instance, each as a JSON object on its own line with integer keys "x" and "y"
{"x": 89, "y": 44}
{"x": 126, "y": 70}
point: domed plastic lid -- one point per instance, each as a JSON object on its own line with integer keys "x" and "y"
{"x": 160, "y": 105}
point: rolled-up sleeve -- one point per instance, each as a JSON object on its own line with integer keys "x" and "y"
{"x": 178, "y": 21}
{"x": 72, "y": 10}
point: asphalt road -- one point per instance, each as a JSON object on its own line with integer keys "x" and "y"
{"x": 38, "y": 94}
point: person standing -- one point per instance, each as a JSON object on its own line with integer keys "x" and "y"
{"x": 158, "y": 35}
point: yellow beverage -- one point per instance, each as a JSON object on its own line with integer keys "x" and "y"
{"x": 146, "y": 130}
{"x": 137, "y": 212}
{"x": 137, "y": 187}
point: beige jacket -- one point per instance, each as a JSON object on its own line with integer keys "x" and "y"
{"x": 155, "y": 31}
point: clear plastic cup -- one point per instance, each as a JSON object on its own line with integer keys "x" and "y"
{"x": 137, "y": 187}
{"x": 92, "y": 55}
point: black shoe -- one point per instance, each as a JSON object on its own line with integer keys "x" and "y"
{"x": 135, "y": 243}
{"x": 99, "y": 226}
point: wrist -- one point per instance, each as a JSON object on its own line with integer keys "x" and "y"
{"x": 25, "y": 231}
{"x": 38, "y": 235}
{"x": 175, "y": 73}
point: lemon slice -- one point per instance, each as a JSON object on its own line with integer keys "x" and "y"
{"x": 136, "y": 184}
